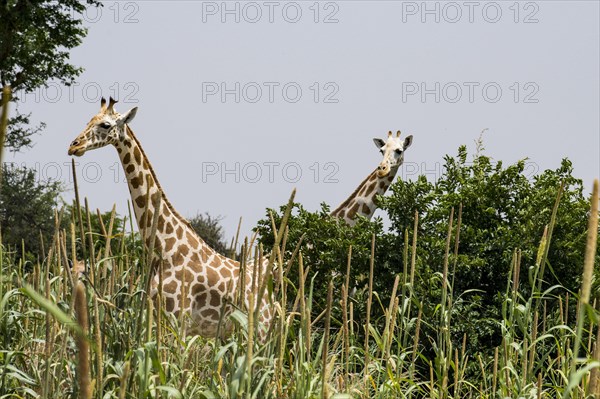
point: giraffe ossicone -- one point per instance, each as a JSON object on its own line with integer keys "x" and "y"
{"x": 195, "y": 278}
{"x": 363, "y": 201}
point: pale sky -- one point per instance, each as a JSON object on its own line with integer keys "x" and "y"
{"x": 240, "y": 102}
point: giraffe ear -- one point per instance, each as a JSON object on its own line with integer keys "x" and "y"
{"x": 127, "y": 116}
{"x": 378, "y": 142}
{"x": 407, "y": 141}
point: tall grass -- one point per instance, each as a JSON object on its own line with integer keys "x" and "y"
{"x": 66, "y": 332}
{"x": 6, "y": 96}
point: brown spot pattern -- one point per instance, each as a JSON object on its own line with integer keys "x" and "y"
{"x": 170, "y": 304}
{"x": 225, "y": 272}
{"x": 183, "y": 249}
{"x": 138, "y": 180}
{"x": 210, "y": 314}
{"x": 137, "y": 155}
{"x": 215, "y": 299}
{"x": 196, "y": 289}
{"x": 141, "y": 201}
{"x": 169, "y": 242}
{"x": 192, "y": 240}
{"x": 171, "y": 288}
{"x": 213, "y": 277}
{"x": 370, "y": 189}
{"x": 216, "y": 262}
{"x": 352, "y": 211}
{"x": 178, "y": 259}
{"x": 201, "y": 300}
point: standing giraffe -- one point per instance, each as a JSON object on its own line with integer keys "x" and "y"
{"x": 363, "y": 200}
{"x": 207, "y": 279}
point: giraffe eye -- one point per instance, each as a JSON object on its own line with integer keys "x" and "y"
{"x": 105, "y": 125}
{"x": 398, "y": 151}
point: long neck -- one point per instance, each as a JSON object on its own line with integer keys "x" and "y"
{"x": 363, "y": 200}
{"x": 148, "y": 197}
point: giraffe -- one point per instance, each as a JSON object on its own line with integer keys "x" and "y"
{"x": 363, "y": 200}
{"x": 207, "y": 279}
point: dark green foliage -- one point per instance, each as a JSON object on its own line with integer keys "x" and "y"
{"x": 19, "y": 132}
{"x": 27, "y": 209}
{"x": 325, "y": 252}
{"x": 35, "y": 39}
{"x": 210, "y": 230}
{"x": 502, "y": 211}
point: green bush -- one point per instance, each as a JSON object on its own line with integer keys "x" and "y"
{"x": 27, "y": 209}
{"x": 501, "y": 211}
{"x": 326, "y": 242}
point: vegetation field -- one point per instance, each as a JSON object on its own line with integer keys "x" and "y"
{"x": 485, "y": 283}
{"x": 362, "y": 312}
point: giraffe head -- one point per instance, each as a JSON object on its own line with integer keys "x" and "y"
{"x": 106, "y": 127}
{"x": 393, "y": 152}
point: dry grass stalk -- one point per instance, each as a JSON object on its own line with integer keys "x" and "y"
{"x": 325, "y": 350}
{"x": 548, "y": 238}
{"x": 78, "y": 208}
{"x": 413, "y": 259}
{"x": 534, "y": 331}
{"x": 495, "y": 371}
{"x": 588, "y": 271}
{"x": 416, "y": 342}
{"x": 345, "y": 339}
{"x": 234, "y": 244}
{"x": 590, "y": 249}
{"x": 594, "y": 386}
{"x": 6, "y": 96}
{"x": 369, "y": 304}
{"x": 388, "y": 330}
{"x": 48, "y": 343}
{"x": 124, "y": 378}
{"x": 457, "y": 241}
{"x": 83, "y": 355}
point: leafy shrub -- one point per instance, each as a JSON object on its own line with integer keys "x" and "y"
{"x": 501, "y": 211}
{"x": 27, "y": 209}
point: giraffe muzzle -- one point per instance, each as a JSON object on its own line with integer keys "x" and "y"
{"x": 383, "y": 170}
{"x": 77, "y": 151}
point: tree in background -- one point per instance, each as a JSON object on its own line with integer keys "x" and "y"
{"x": 35, "y": 39}
{"x": 210, "y": 230}
{"x": 27, "y": 209}
{"x": 503, "y": 210}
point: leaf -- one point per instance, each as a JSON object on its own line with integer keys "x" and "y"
{"x": 207, "y": 395}
{"x": 51, "y": 308}
{"x": 173, "y": 392}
